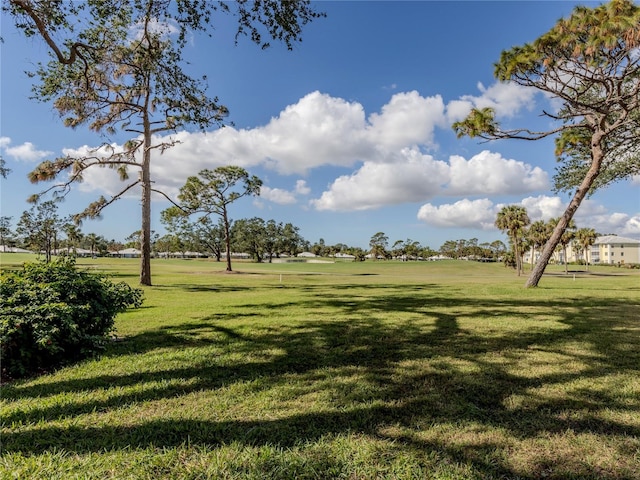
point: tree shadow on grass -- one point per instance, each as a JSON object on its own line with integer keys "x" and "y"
{"x": 214, "y": 288}
{"x": 456, "y": 381}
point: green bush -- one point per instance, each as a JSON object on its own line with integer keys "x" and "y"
{"x": 52, "y": 314}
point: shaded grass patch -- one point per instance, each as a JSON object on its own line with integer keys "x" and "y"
{"x": 448, "y": 370}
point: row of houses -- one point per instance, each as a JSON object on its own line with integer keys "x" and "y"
{"x": 606, "y": 250}
{"x": 124, "y": 253}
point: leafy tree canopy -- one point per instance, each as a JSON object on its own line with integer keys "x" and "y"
{"x": 211, "y": 192}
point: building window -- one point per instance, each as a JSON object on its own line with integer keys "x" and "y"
{"x": 622, "y": 254}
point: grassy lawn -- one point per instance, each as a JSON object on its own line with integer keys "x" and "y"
{"x": 444, "y": 370}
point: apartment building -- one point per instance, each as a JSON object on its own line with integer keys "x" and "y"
{"x": 607, "y": 249}
{"x": 613, "y": 249}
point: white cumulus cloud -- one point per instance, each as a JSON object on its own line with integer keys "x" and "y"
{"x": 277, "y": 195}
{"x": 481, "y": 214}
{"x": 408, "y": 119}
{"x": 543, "y": 207}
{"x": 489, "y": 173}
{"x": 324, "y": 131}
{"x": 506, "y": 98}
{"x": 302, "y": 188}
{"x": 413, "y": 177}
{"x": 590, "y": 214}
{"x": 464, "y": 213}
{"x": 632, "y": 226}
{"x": 605, "y": 222}
{"x": 27, "y": 152}
{"x": 318, "y": 130}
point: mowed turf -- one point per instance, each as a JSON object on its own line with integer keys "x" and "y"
{"x": 444, "y": 370}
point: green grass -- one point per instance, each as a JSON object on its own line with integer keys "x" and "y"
{"x": 444, "y": 370}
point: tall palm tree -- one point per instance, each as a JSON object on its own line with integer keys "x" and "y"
{"x": 586, "y": 237}
{"x": 513, "y": 219}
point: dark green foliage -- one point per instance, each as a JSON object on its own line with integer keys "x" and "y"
{"x": 509, "y": 259}
{"x": 53, "y": 314}
{"x": 4, "y": 171}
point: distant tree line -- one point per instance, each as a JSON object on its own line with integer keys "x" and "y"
{"x": 262, "y": 240}
{"x": 454, "y": 249}
{"x": 41, "y": 229}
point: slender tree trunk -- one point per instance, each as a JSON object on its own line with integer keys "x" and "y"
{"x": 521, "y": 252}
{"x": 563, "y": 223}
{"x": 533, "y": 254}
{"x": 145, "y": 232}
{"x": 516, "y": 252}
{"x": 227, "y": 237}
{"x": 586, "y": 256}
{"x": 47, "y": 249}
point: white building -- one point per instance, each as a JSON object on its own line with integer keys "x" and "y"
{"x": 127, "y": 253}
{"x": 6, "y": 249}
{"x": 613, "y": 249}
{"x": 607, "y": 249}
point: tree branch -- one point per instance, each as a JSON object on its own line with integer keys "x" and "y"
{"x": 74, "y": 50}
{"x": 160, "y": 192}
{"x": 95, "y": 209}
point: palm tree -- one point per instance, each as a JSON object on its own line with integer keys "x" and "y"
{"x": 513, "y": 219}
{"x": 538, "y": 234}
{"x": 586, "y": 237}
{"x": 92, "y": 240}
{"x": 565, "y": 239}
{"x": 73, "y": 236}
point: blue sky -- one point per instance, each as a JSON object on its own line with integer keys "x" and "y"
{"x": 350, "y": 132}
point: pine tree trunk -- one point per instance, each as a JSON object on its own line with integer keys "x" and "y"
{"x": 581, "y": 193}
{"x": 227, "y": 237}
{"x": 145, "y": 232}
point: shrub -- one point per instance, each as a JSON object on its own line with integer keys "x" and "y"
{"x": 52, "y": 314}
